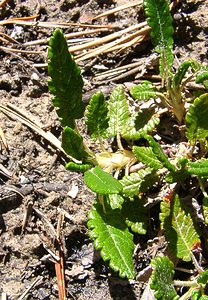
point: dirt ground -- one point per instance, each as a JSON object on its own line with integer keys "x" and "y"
{"x": 32, "y": 172}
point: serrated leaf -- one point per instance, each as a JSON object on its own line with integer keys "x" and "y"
{"x": 180, "y": 74}
{"x": 112, "y": 236}
{"x": 178, "y": 176}
{"x": 115, "y": 201}
{"x": 135, "y": 215}
{"x": 162, "y": 278}
{"x": 142, "y": 118}
{"x": 143, "y": 91}
{"x": 74, "y": 167}
{"x": 202, "y": 76}
{"x": 144, "y": 123}
{"x": 72, "y": 143}
{"x": 101, "y": 182}
{"x": 120, "y": 120}
{"x": 160, "y": 21}
{"x": 138, "y": 182}
{"x": 196, "y": 119}
{"x": 96, "y": 116}
{"x": 198, "y": 168}
{"x": 147, "y": 156}
{"x": 66, "y": 81}
{"x": 164, "y": 215}
{"x": 183, "y": 235}
{"x": 158, "y": 151}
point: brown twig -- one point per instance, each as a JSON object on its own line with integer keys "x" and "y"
{"x": 3, "y": 139}
{"x": 59, "y": 265}
{"x": 38, "y": 280}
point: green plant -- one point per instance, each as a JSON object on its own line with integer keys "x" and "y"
{"x": 124, "y": 175}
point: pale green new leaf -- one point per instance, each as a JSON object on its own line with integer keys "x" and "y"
{"x": 198, "y": 168}
{"x": 73, "y": 145}
{"x": 115, "y": 201}
{"x": 183, "y": 236}
{"x": 138, "y": 182}
{"x": 96, "y": 116}
{"x": 160, "y": 21}
{"x": 120, "y": 120}
{"x": 135, "y": 214}
{"x": 143, "y": 91}
{"x": 101, "y": 182}
{"x": 147, "y": 156}
{"x": 162, "y": 279}
{"x": 66, "y": 81}
{"x": 196, "y": 119}
{"x": 112, "y": 237}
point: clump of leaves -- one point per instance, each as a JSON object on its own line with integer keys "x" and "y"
{"x": 124, "y": 175}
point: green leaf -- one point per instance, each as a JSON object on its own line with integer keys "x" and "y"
{"x": 144, "y": 123}
{"x": 151, "y": 124}
{"x": 136, "y": 215}
{"x": 158, "y": 151}
{"x": 162, "y": 278}
{"x": 142, "y": 118}
{"x": 199, "y": 167}
{"x": 66, "y": 81}
{"x": 197, "y": 295}
{"x": 147, "y": 156}
{"x": 196, "y": 119}
{"x": 112, "y": 236}
{"x": 165, "y": 210}
{"x": 115, "y": 201}
{"x": 74, "y": 167}
{"x": 181, "y": 72}
{"x": 136, "y": 183}
{"x": 160, "y": 21}
{"x": 203, "y": 277}
{"x": 143, "y": 91}
{"x": 120, "y": 120}
{"x": 182, "y": 236}
{"x": 101, "y": 182}
{"x": 205, "y": 209}
{"x": 202, "y": 76}
{"x": 72, "y": 143}
{"x": 96, "y": 114}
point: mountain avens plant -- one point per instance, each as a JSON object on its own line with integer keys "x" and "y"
{"x": 132, "y": 162}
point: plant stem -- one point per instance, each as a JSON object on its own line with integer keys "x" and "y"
{"x": 188, "y": 283}
{"x": 118, "y": 139}
{"x": 202, "y": 187}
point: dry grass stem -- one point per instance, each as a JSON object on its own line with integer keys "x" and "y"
{"x": 67, "y": 36}
{"x": 117, "y": 9}
{"x": 7, "y": 49}
{"x": 14, "y": 112}
{"x": 23, "y": 21}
